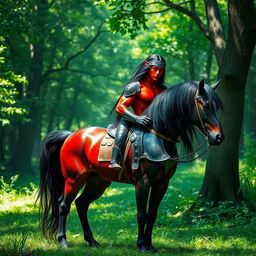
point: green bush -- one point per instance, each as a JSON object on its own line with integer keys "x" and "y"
{"x": 248, "y": 167}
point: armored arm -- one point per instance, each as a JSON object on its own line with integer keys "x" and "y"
{"x": 140, "y": 120}
{"x": 126, "y": 101}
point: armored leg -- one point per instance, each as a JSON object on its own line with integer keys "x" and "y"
{"x": 120, "y": 137}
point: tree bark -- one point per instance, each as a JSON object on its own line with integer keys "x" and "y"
{"x": 217, "y": 36}
{"x": 72, "y": 109}
{"x": 21, "y": 158}
{"x": 221, "y": 181}
{"x": 208, "y": 67}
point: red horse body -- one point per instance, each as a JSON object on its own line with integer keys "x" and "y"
{"x": 80, "y": 152}
{"x": 70, "y": 160}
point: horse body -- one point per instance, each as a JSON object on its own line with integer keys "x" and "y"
{"x": 79, "y": 156}
{"x": 69, "y": 161}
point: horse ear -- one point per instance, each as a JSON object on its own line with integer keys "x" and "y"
{"x": 214, "y": 86}
{"x": 201, "y": 87}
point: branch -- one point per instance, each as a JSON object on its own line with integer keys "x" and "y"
{"x": 90, "y": 74}
{"x": 66, "y": 64}
{"x": 156, "y": 3}
{"x": 82, "y": 72}
{"x": 192, "y": 14}
{"x": 164, "y": 10}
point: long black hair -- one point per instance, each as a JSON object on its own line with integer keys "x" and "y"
{"x": 141, "y": 72}
{"x": 170, "y": 111}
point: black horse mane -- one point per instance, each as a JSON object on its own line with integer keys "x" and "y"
{"x": 170, "y": 111}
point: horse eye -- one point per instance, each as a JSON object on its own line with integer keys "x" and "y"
{"x": 205, "y": 104}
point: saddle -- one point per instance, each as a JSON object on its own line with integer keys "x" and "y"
{"x": 145, "y": 144}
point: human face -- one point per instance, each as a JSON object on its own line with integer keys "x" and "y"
{"x": 155, "y": 72}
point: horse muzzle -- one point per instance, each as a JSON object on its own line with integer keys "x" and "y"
{"x": 215, "y": 138}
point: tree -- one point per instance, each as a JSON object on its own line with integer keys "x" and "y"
{"x": 233, "y": 55}
{"x": 11, "y": 109}
{"x": 40, "y": 36}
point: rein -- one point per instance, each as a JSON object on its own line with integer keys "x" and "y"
{"x": 177, "y": 159}
{"x": 162, "y": 136}
{"x": 199, "y": 113}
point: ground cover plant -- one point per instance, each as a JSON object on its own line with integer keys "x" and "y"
{"x": 113, "y": 220}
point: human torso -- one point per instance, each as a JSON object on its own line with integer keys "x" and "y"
{"x": 144, "y": 97}
{"x": 139, "y": 100}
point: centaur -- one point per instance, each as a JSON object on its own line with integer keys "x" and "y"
{"x": 70, "y": 160}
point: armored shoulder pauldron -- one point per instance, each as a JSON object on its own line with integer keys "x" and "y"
{"x": 131, "y": 89}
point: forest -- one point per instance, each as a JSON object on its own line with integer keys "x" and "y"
{"x": 64, "y": 65}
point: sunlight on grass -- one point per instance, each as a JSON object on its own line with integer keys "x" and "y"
{"x": 101, "y": 206}
{"x": 113, "y": 220}
{"x": 19, "y": 204}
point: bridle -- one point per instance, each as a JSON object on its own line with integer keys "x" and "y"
{"x": 199, "y": 113}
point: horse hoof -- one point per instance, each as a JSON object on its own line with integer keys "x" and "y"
{"x": 94, "y": 244}
{"x": 150, "y": 248}
{"x": 64, "y": 244}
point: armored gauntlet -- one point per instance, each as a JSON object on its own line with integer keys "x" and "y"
{"x": 140, "y": 120}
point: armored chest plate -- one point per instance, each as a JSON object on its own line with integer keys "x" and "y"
{"x": 147, "y": 145}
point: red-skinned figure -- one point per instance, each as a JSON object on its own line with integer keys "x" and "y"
{"x": 146, "y": 83}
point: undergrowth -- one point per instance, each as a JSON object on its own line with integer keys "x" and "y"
{"x": 248, "y": 167}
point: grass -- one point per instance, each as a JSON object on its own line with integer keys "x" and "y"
{"x": 113, "y": 221}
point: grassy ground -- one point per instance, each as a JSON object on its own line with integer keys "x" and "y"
{"x": 113, "y": 221}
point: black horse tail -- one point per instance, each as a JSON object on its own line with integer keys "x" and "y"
{"x": 51, "y": 182}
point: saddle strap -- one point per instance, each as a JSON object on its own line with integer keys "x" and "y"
{"x": 162, "y": 135}
{"x": 128, "y": 145}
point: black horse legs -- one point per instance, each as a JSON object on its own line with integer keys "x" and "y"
{"x": 146, "y": 218}
{"x": 142, "y": 192}
{"x": 156, "y": 196}
{"x": 95, "y": 187}
{"x": 64, "y": 208}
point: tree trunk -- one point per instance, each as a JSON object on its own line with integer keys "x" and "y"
{"x": 52, "y": 112}
{"x": 21, "y": 159}
{"x": 208, "y": 67}
{"x": 72, "y": 111}
{"x": 216, "y": 29}
{"x": 221, "y": 181}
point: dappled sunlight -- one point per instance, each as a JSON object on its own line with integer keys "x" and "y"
{"x": 19, "y": 204}
{"x": 117, "y": 191}
{"x": 101, "y": 206}
{"x": 114, "y": 224}
{"x": 112, "y": 192}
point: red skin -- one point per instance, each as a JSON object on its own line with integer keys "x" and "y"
{"x": 148, "y": 91}
{"x": 79, "y": 157}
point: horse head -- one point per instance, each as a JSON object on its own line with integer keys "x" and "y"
{"x": 205, "y": 113}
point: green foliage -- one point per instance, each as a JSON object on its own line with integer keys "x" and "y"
{"x": 10, "y": 108}
{"x": 248, "y": 167}
{"x": 127, "y": 16}
{"x": 226, "y": 212}
{"x": 7, "y": 190}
